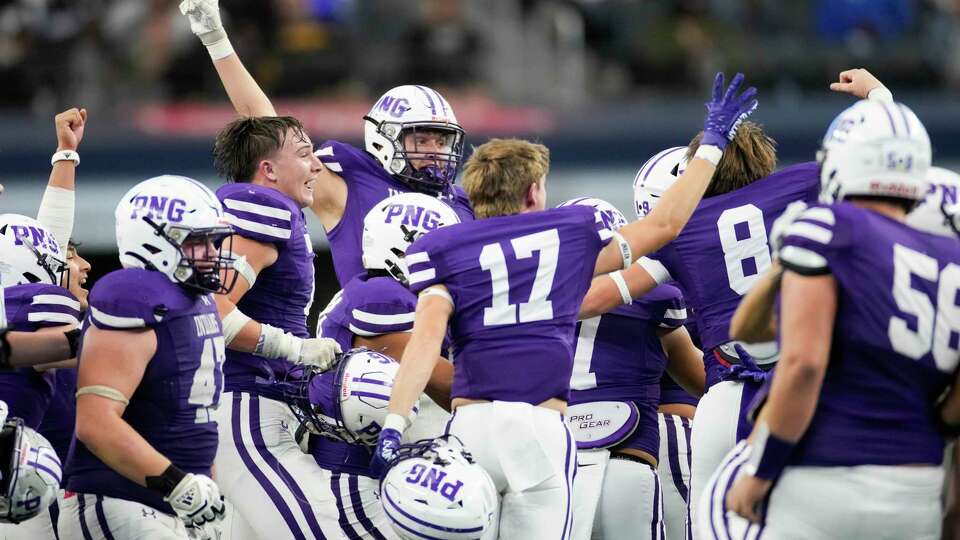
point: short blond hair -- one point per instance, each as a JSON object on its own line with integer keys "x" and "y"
{"x": 751, "y": 155}
{"x": 499, "y": 173}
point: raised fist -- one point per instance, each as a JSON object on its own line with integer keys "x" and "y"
{"x": 69, "y": 125}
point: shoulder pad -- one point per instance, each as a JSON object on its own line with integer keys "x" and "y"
{"x": 37, "y": 305}
{"x": 259, "y": 213}
{"x": 422, "y": 258}
{"x": 338, "y": 156}
{"x": 135, "y": 298}
{"x": 810, "y": 240}
{"x": 381, "y": 306}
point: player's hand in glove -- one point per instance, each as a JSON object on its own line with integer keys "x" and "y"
{"x": 205, "y": 23}
{"x": 782, "y": 223}
{"x": 196, "y": 500}
{"x": 319, "y": 352}
{"x": 726, "y": 110}
{"x": 386, "y": 451}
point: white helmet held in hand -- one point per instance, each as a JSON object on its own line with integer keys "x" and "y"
{"x": 394, "y": 223}
{"x": 656, "y": 176}
{"x": 434, "y": 489}
{"x": 158, "y": 216}
{"x": 408, "y": 110}
{"x": 31, "y": 472}
{"x": 874, "y": 149}
{"x": 28, "y": 252}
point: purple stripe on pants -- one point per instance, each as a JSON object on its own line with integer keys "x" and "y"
{"x": 285, "y": 475}
{"x": 654, "y": 529}
{"x": 354, "y": 484}
{"x": 102, "y": 518}
{"x": 685, "y": 422}
{"x": 344, "y": 522}
{"x": 82, "y": 508}
{"x": 735, "y": 461}
{"x": 261, "y": 478}
{"x": 571, "y": 448}
{"x": 673, "y": 452}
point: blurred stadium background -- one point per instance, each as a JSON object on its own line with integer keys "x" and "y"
{"x": 604, "y": 83}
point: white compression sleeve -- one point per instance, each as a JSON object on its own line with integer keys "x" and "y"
{"x": 56, "y": 214}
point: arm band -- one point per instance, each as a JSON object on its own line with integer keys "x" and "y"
{"x": 243, "y": 268}
{"x": 105, "y": 392}
{"x": 232, "y": 324}
{"x": 436, "y": 291}
{"x": 769, "y": 454}
{"x": 880, "y": 93}
{"x": 626, "y": 253}
{"x": 710, "y": 153}
{"x": 56, "y": 214}
{"x": 65, "y": 155}
{"x": 166, "y": 482}
{"x": 621, "y": 283}
{"x": 656, "y": 269}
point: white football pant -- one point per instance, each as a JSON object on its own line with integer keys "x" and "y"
{"x": 829, "y": 503}
{"x": 531, "y": 456}
{"x": 673, "y": 467}
{"x": 95, "y": 517}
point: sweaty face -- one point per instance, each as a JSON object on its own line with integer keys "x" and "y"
{"x": 423, "y": 147}
{"x": 77, "y": 277}
{"x": 202, "y": 251}
{"x": 295, "y": 168}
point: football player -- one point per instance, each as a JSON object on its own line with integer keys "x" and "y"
{"x": 851, "y": 429}
{"x": 412, "y": 142}
{"x": 615, "y": 389}
{"x": 150, "y": 373}
{"x": 513, "y": 307}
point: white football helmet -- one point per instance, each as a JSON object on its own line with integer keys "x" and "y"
{"x": 348, "y": 402}
{"x": 656, "y": 176}
{"x": 613, "y": 218}
{"x": 28, "y": 252}
{"x": 394, "y": 223}
{"x": 435, "y": 490}
{"x": 31, "y": 472}
{"x": 406, "y": 110}
{"x": 874, "y": 149}
{"x": 939, "y": 212}
{"x": 157, "y": 216}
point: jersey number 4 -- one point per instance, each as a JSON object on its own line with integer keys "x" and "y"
{"x": 537, "y": 307}
{"x": 937, "y": 325}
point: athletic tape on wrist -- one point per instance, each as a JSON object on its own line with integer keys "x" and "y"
{"x": 397, "y": 422}
{"x": 621, "y": 284}
{"x": 275, "y": 343}
{"x": 105, "y": 392}
{"x": 710, "y": 153}
{"x": 233, "y": 323}
{"x": 880, "y": 93}
{"x": 220, "y": 49}
{"x": 768, "y": 453}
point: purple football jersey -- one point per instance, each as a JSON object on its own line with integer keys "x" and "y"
{"x": 722, "y": 251}
{"x": 367, "y": 184}
{"x": 283, "y": 292}
{"x": 172, "y": 406}
{"x": 517, "y": 283}
{"x": 367, "y": 307}
{"x": 672, "y": 393}
{"x": 619, "y": 357}
{"x": 60, "y": 417}
{"x": 896, "y": 339}
{"x": 31, "y": 307}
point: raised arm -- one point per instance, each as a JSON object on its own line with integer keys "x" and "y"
{"x": 862, "y": 84}
{"x": 725, "y": 111}
{"x": 57, "y": 206}
{"x": 245, "y": 94}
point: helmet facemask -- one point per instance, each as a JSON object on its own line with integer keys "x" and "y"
{"x": 57, "y": 270}
{"x": 435, "y": 178}
{"x": 208, "y": 272}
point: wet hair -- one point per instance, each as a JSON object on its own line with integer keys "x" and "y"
{"x": 244, "y": 142}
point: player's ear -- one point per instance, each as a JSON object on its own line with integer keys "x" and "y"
{"x": 266, "y": 170}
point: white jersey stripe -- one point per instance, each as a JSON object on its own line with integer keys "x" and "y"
{"x": 376, "y": 318}
{"x": 803, "y": 257}
{"x": 53, "y": 317}
{"x": 821, "y": 214}
{"x": 810, "y": 231}
{"x": 116, "y": 321}
{"x": 333, "y": 166}
{"x": 259, "y": 209}
{"x": 253, "y": 226}
{"x": 419, "y": 257}
{"x": 55, "y": 299}
{"x": 675, "y": 313}
{"x": 362, "y": 332}
{"x": 422, "y": 275}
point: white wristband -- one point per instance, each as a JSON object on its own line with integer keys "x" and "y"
{"x": 397, "y": 422}
{"x": 220, "y": 49}
{"x": 621, "y": 283}
{"x": 626, "y": 253}
{"x": 710, "y": 153}
{"x": 65, "y": 155}
{"x": 880, "y": 93}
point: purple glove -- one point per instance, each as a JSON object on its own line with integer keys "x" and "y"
{"x": 747, "y": 370}
{"x": 726, "y": 110}
{"x": 385, "y": 453}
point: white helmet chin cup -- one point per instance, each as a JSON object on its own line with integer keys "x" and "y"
{"x": 405, "y": 109}
{"x": 436, "y": 490}
{"x": 154, "y": 219}
{"x": 30, "y": 252}
{"x": 613, "y": 218}
{"x": 656, "y": 176}
{"x": 874, "y": 149}
{"x": 31, "y": 472}
{"x": 394, "y": 223}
